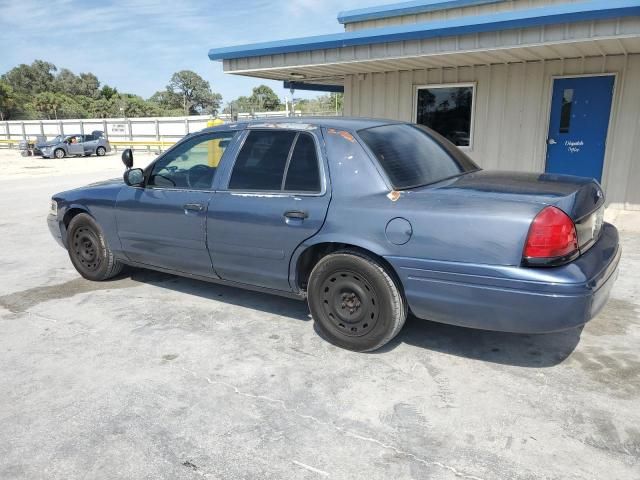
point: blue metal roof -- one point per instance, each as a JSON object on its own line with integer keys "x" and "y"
{"x": 548, "y": 15}
{"x": 405, "y": 8}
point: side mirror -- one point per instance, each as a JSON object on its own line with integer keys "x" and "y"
{"x": 127, "y": 158}
{"x": 134, "y": 177}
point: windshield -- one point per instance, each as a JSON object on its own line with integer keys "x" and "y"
{"x": 412, "y": 155}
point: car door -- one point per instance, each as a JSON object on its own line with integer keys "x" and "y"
{"x": 89, "y": 143}
{"x": 75, "y": 146}
{"x": 163, "y": 223}
{"x": 276, "y": 196}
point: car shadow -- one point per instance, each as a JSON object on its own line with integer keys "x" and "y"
{"x": 534, "y": 351}
{"x": 264, "y": 302}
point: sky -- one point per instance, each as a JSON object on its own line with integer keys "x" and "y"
{"x": 136, "y": 46}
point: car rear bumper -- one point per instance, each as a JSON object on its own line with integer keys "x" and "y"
{"x": 511, "y": 298}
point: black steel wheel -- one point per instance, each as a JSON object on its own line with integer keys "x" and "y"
{"x": 101, "y": 151}
{"x": 355, "y": 303}
{"x": 85, "y": 246}
{"x": 89, "y": 251}
{"x": 59, "y": 153}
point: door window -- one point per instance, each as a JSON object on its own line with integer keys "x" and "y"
{"x": 262, "y": 161}
{"x": 565, "y": 110}
{"x": 302, "y": 173}
{"x": 192, "y": 164}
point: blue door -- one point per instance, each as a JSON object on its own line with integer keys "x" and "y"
{"x": 163, "y": 224}
{"x": 580, "y": 109}
{"x": 276, "y": 197}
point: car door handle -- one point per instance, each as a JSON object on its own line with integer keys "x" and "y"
{"x": 196, "y": 207}
{"x": 296, "y": 214}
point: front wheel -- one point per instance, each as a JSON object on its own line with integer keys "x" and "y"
{"x": 100, "y": 151}
{"x": 355, "y": 303}
{"x": 59, "y": 153}
{"x": 88, "y": 249}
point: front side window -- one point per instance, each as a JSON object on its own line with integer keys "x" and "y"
{"x": 412, "y": 157}
{"x": 448, "y": 111}
{"x": 192, "y": 164}
{"x": 277, "y": 160}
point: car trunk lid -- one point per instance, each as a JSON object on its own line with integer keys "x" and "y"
{"x": 579, "y": 197}
{"x": 576, "y": 196}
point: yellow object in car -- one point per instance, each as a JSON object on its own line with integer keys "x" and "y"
{"x": 215, "y": 150}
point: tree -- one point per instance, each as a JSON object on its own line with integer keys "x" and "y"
{"x": 66, "y": 82}
{"x": 108, "y": 92}
{"x": 7, "y": 100}
{"x": 330, "y": 103}
{"x": 195, "y": 93}
{"x": 49, "y": 104}
{"x": 102, "y": 108}
{"x": 264, "y": 98}
{"x": 166, "y": 99}
{"x": 31, "y": 79}
{"x": 39, "y": 90}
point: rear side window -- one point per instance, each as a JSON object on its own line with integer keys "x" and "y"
{"x": 261, "y": 163}
{"x": 412, "y": 156}
{"x": 303, "y": 174}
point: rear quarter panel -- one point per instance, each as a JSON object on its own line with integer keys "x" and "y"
{"x": 444, "y": 226}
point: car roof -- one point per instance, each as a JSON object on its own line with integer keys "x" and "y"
{"x": 342, "y": 123}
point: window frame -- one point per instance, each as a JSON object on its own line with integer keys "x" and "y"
{"x": 281, "y": 192}
{"x": 473, "y": 85}
{"x": 149, "y": 168}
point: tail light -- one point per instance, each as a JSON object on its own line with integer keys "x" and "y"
{"x": 552, "y": 239}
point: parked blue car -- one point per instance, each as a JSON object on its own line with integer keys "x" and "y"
{"x": 366, "y": 219}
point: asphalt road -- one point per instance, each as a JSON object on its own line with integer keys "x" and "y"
{"x": 155, "y": 376}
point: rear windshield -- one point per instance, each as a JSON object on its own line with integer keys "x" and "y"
{"x": 413, "y": 156}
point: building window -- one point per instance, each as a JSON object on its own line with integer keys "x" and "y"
{"x": 447, "y": 109}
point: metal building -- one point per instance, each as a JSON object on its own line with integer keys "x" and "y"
{"x": 537, "y": 85}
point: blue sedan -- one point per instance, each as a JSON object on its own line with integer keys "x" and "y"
{"x": 366, "y": 219}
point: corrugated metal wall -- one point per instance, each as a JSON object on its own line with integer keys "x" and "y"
{"x": 511, "y": 106}
{"x": 454, "y": 13}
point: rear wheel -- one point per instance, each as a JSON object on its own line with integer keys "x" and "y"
{"x": 355, "y": 303}
{"x": 100, "y": 151}
{"x": 88, "y": 249}
{"x": 59, "y": 153}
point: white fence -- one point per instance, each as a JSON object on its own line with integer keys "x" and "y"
{"x": 156, "y": 129}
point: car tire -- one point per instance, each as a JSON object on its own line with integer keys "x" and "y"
{"x": 89, "y": 251}
{"x": 59, "y": 153}
{"x": 101, "y": 151}
{"x": 355, "y": 302}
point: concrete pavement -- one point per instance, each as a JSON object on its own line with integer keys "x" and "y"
{"x": 155, "y": 376}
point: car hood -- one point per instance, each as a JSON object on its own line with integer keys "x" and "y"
{"x": 578, "y": 196}
{"x": 47, "y": 144}
{"x": 106, "y": 183}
